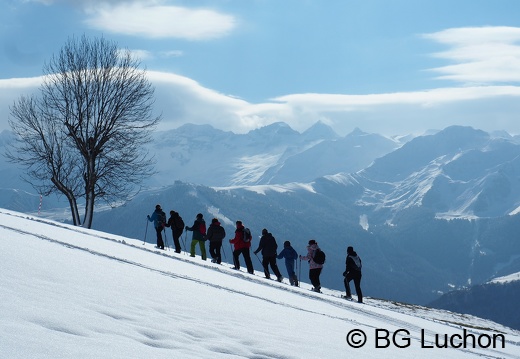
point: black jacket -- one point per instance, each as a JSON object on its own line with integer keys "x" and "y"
{"x": 267, "y": 245}
{"x": 216, "y": 232}
{"x": 353, "y": 263}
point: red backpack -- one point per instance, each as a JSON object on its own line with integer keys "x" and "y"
{"x": 202, "y": 228}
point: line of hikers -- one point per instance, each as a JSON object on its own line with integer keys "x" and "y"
{"x": 241, "y": 242}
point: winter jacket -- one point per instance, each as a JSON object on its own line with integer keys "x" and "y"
{"x": 310, "y": 255}
{"x": 155, "y": 217}
{"x": 176, "y": 224}
{"x": 197, "y": 235}
{"x": 267, "y": 245}
{"x": 353, "y": 263}
{"x": 216, "y": 233}
{"x": 238, "y": 241}
{"x": 288, "y": 253}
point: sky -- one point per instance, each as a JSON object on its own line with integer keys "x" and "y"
{"x": 384, "y": 66}
{"x": 68, "y": 292}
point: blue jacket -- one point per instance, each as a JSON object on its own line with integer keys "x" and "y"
{"x": 289, "y": 254}
{"x": 155, "y": 217}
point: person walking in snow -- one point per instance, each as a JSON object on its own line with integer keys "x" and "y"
{"x": 216, "y": 233}
{"x": 314, "y": 268}
{"x": 242, "y": 245}
{"x": 158, "y": 218}
{"x": 353, "y": 272}
{"x": 290, "y": 256}
{"x": 176, "y": 223}
{"x": 269, "y": 247}
{"x": 199, "y": 236}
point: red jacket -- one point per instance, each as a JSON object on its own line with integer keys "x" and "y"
{"x": 238, "y": 241}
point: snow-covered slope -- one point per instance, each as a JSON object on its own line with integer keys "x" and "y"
{"x": 515, "y": 277}
{"x": 67, "y": 292}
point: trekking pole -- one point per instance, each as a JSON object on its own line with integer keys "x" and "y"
{"x": 299, "y": 272}
{"x": 223, "y": 251}
{"x": 165, "y": 238}
{"x": 232, "y": 254}
{"x": 184, "y": 242}
{"x": 145, "y": 231}
{"x": 256, "y": 255}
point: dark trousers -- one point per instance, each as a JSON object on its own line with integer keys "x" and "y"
{"x": 356, "y": 277}
{"x": 247, "y": 259}
{"x": 270, "y": 261}
{"x": 214, "y": 250}
{"x": 176, "y": 241}
{"x": 314, "y": 276}
{"x": 160, "y": 243}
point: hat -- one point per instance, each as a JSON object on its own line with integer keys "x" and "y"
{"x": 214, "y": 220}
{"x": 264, "y": 231}
{"x": 311, "y": 242}
{"x": 350, "y": 249}
{"x": 286, "y": 244}
{"x": 199, "y": 215}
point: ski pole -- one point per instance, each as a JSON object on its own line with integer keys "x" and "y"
{"x": 223, "y": 251}
{"x": 145, "y": 231}
{"x": 256, "y": 255}
{"x": 184, "y": 242}
{"x": 299, "y": 272}
{"x": 165, "y": 238}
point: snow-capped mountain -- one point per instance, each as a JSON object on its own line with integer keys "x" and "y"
{"x": 69, "y": 292}
{"x": 275, "y": 154}
{"x": 456, "y": 173}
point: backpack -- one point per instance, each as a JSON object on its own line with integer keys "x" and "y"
{"x": 179, "y": 223}
{"x": 247, "y": 235}
{"x": 218, "y": 233}
{"x": 357, "y": 262}
{"x": 202, "y": 228}
{"x": 161, "y": 219}
{"x": 319, "y": 256}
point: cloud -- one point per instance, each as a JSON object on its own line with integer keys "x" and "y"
{"x": 140, "y": 54}
{"x": 182, "y": 100}
{"x": 485, "y": 61}
{"x": 172, "y": 53}
{"x": 483, "y": 55}
{"x": 151, "y": 19}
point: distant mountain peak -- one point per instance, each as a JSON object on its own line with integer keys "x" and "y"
{"x": 320, "y": 130}
{"x": 357, "y": 132}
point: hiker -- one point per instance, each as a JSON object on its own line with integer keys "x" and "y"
{"x": 176, "y": 223}
{"x": 353, "y": 272}
{"x": 216, "y": 233}
{"x": 199, "y": 236}
{"x": 290, "y": 256}
{"x": 158, "y": 218}
{"x": 242, "y": 245}
{"x": 269, "y": 247}
{"x": 314, "y": 268}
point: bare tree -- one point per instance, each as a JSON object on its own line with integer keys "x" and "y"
{"x": 82, "y": 136}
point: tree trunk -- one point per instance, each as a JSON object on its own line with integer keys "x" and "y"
{"x": 72, "y": 201}
{"x": 90, "y": 190}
